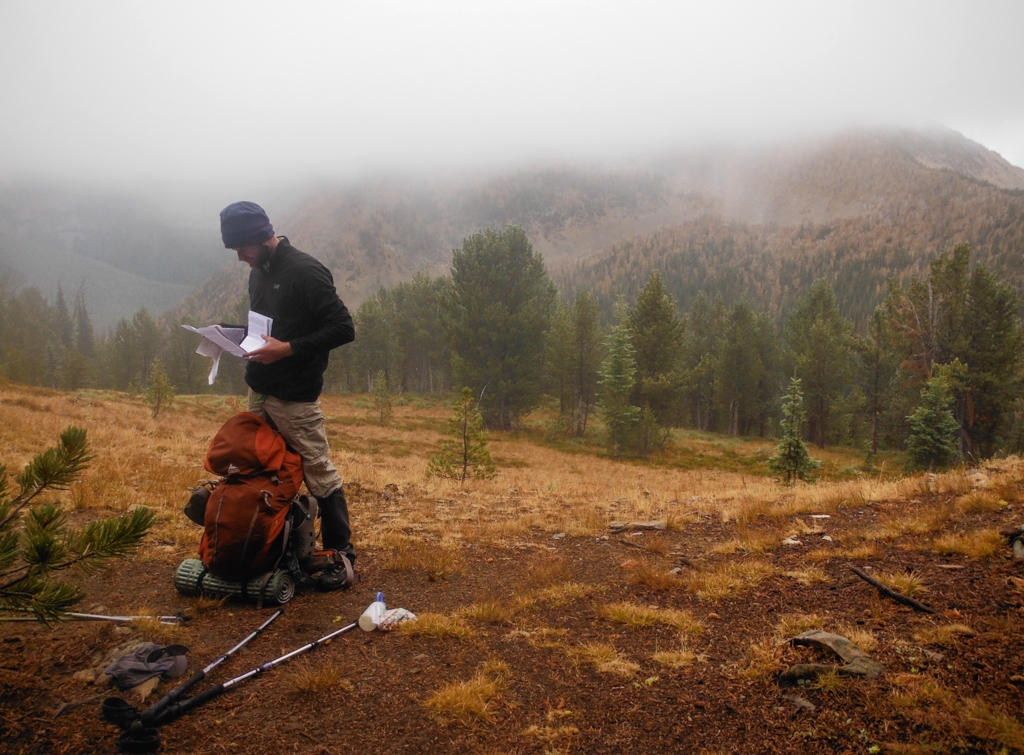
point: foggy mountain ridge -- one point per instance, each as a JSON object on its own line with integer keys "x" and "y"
{"x": 378, "y": 232}
{"x": 857, "y": 211}
{"x": 118, "y": 250}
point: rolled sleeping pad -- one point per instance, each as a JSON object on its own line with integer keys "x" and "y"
{"x": 193, "y": 579}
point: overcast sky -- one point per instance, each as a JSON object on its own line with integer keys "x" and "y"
{"x": 212, "y": 91}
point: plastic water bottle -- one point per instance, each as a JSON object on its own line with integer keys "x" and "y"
{"x": 372, "y": 615}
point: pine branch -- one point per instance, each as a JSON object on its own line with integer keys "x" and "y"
{"x": 99, "y": 541}
{"x": 55, "y": 468}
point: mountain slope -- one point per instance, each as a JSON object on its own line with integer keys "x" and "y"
{"x": 116, "y": 249}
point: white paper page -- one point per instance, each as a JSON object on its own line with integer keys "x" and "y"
{"x": 259, "y": 326}
{"x": 217, "y": 340}
{"x": 225, "y": 338}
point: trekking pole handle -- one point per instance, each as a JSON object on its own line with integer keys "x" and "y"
{"x": 176, "y": 711}
{"x": 160, "y": 705}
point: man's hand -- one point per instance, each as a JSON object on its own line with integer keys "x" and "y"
{"x": 270, "y": 352}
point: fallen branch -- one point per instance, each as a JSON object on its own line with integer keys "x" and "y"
{"x": 887, "y": 592}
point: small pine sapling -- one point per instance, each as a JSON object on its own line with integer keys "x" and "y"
{"x": 934, "y": 433}
{"x": 464, "y": 454}
{"x": 159, "y": 391}
{"x": 791, "y": 460}
{"x": 36, "y": 541}
{"x": 382, "y": 398}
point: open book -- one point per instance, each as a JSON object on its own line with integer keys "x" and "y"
{"x": 235, "y": 341}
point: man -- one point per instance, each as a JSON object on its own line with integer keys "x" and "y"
{"x": 286, "y": 375}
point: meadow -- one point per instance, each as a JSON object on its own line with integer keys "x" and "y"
{"x": 543, "y": 629}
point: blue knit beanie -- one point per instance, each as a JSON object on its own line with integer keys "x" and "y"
{"x": 244, "y": 223}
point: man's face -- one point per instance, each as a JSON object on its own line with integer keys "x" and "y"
{"x": 249, "y": 254}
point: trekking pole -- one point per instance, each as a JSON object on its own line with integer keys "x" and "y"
{"x": 176, "y": 711}
{"x": 150, "y": 714}
{"x": 120, "y": 712}
{"x": 178, "y": 618}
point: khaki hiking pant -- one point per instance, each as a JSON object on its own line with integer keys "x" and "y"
{"x": 302, "y": 425}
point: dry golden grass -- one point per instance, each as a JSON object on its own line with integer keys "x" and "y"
{"x": 647, "y": 574}
{"x": 676, "y": 659}
{"x": 749, "y": 541}
{"x": 312, "y": 677}
{"x": 807, "y": 576}
{"x": 727, "y": 579}
{"x": 560, "y": 595}
{"x": 860, "y": 637}
{"x": 859, "y": 552}
{"x": 977, "y": 544}
{"x": 944, "y": 635}
{"x": 635, "y": 615}
{"x": 912, "y": 520}
{"x": 764, "y": 659}
{"x": 993, "y": 725}
{"x": 907, "y": 583}
{"x": 790, "y": 625}
{"x": 433, "y": 558}
{"x": 830, "y": 681}
{"x": 435, "y": 625}
{"x": 550, "y": 734}
{"x": 926, "y": 701}
{"x": 915, "y": 692}
{"x": 153, "y": 462}
{"x": 604, "y": 658}
{"x": 542, "y": 637}
{"x": 747, "y": 508}
{"x": 555, "y": 729}
{"x": 548, "y": 571}
{"x": 658, "y": 545}
{"x": 470, "y": 700}
{"x": 203, "y": 604}
{"x": 489, "y": 612}
{"x": 152, "y": 630}
{"x": 979, "y": 501}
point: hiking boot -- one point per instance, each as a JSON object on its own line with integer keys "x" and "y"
{"x": 339, "y": 577}
{"x": 335, "y": 529}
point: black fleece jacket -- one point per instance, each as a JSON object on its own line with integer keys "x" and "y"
{"x": 298, "y": 292}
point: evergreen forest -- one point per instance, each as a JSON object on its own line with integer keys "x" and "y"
{"x": 933, "y": 369}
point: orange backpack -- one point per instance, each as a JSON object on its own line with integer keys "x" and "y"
{"x": 247, "y": 513}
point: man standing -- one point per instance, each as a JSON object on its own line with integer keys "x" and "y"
{"x": 286, "y": 375}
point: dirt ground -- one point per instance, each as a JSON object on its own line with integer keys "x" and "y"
{"x": 958, "y": 691}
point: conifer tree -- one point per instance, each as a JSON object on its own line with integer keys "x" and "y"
{"x": 375, "y": 350}
{"x": 656, "y": 333}
{"x": 382, "y": 398}
{"x": 422, "y": 352}
{"x": 36, "y": 542}
{"x": 159, "y": 391}
{"x": 186, "y": 369}
{"x": 970, "y": 316}
{"x": 791, "y": 460}
{"x": 617, "y": 379}
{"x": 933, "y": 441}
{"x": 85, "y": 339}
{"x": 879, "y": 369}
{"x": 821, "y": 342}
{"x": 497, "y": 313}
{"x": 740, "y": 371}
{"x": 464, "y": 453}
{"x": 704, "y": 323}
{"x": 64, "y": 324}
{"x": 574, "y": 358}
